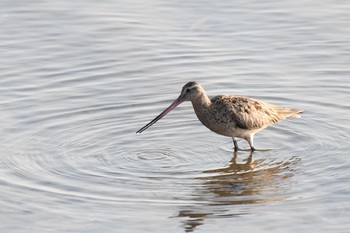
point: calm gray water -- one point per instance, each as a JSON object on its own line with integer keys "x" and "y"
{"x": 79, "y": 78}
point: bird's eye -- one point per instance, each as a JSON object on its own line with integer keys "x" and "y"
{"x": 187, "y": 90}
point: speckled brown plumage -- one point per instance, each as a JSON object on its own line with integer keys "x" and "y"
{"x": 232, "y": 116}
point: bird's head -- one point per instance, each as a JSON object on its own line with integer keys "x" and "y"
{"x": 191, "y": 91}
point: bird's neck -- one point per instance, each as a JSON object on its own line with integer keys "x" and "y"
{"x": 201, "y": 102}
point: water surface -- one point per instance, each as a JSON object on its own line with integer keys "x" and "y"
{"x": 78, "y": 79}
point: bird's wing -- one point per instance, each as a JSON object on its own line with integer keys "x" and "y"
{"x": 247, "y": 113}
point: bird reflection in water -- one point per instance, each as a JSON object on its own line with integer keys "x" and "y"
{"x": 240, "y": 183}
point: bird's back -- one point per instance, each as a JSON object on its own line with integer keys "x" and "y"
{"x": 249, "y": 113}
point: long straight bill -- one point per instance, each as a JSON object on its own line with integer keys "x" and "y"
{"x": 166, "y": 111}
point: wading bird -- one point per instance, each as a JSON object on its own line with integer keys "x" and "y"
{"x": 232, "y": 116}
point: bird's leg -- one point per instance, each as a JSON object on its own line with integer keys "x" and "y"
{"x": 250, "y": 140}
{"x": 235, "y": 144}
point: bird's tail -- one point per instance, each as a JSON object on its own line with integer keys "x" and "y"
{"x": 292, "y": 112}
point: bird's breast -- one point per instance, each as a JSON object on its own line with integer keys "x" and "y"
{"x": 217, "y": 123}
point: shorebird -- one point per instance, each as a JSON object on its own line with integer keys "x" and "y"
{"x": 232, "y": 116}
